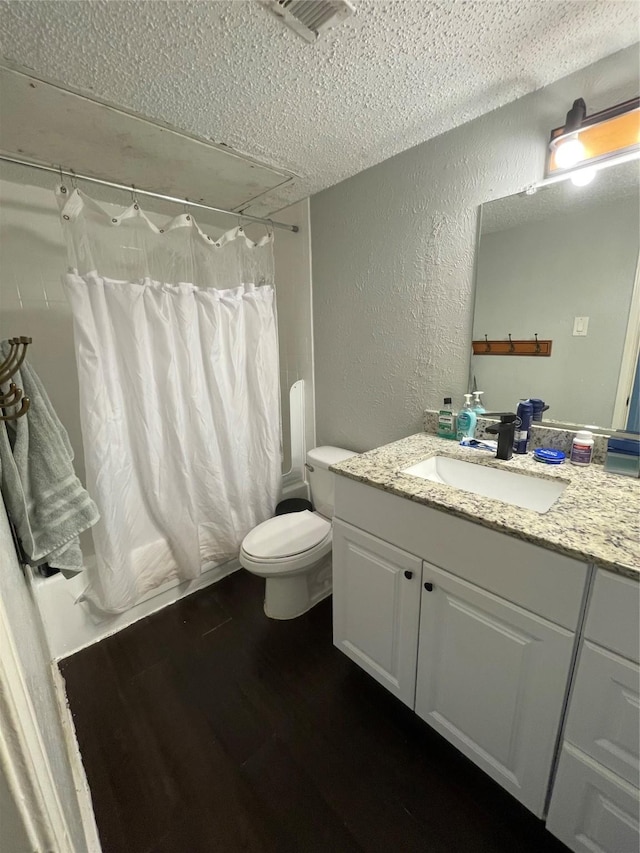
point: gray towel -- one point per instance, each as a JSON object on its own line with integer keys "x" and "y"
{"x": 45, "y": 500}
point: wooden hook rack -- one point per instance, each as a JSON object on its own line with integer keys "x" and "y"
{"x": 533, "y": 347}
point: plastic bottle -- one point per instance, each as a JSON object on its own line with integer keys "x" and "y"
{"x": 466, "y": 420}
{"x": 447, "y": 420}
{"x": 477, "y": 407}
{"x": 582, "y": 448}
{"x": 523, "y": 426}
{"x": 539, "y": 406}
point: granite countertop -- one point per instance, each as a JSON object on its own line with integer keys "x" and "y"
{"x": 596, "y": 519}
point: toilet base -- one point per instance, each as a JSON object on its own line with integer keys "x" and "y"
{"x": 289, "y": 596}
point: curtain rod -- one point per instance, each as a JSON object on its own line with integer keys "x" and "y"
{"x": 59, "y": 171}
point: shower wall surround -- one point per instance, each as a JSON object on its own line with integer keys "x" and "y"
{"x": 393, "y": 259}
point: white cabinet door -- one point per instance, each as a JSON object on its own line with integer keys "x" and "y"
{"x": 376, "y": 607}
{"x": 592, "y": 810}
{"x": 492, "y": 679}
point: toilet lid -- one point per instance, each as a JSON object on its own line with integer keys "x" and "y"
{"x": 286, "y": 535}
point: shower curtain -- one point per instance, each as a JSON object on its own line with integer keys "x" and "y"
{"x": 176, "y": 347}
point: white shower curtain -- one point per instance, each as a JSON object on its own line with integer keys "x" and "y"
{"x": 176, "y": 347}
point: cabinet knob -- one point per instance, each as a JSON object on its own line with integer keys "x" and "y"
{"x": 408, "y": 575}
{"x": 428, "y": 586}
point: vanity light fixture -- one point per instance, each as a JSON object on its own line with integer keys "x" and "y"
{"x": 567, "y": 148}
{"x": 594, "y": 141}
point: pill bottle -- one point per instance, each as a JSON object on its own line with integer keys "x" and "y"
{"x": 582, "y": 448}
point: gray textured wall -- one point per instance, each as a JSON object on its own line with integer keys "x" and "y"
{"x": 393, "y": 257}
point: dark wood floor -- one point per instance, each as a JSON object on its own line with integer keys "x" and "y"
{"x": 208, "y": 727}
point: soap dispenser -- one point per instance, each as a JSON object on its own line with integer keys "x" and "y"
{"x": 478, "y": 408}
{"x": 467, "y": 419}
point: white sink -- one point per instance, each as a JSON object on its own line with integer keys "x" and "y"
{"x": 511, "y": 488}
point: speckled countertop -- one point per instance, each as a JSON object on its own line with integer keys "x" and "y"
{"x": 596, "y": 518}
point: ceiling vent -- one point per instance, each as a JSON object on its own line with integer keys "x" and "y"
{"x": 309, "y": 18}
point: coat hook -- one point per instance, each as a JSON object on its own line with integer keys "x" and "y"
{"x": 487, "y": 344}
{"x": 24, "y": 408}
{"x": 511, "y": 346}
{"x": 537, "y": 342}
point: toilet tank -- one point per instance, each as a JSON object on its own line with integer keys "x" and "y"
{"x": 321, "y": 479}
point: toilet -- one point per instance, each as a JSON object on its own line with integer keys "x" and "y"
{"x": 293, "y": 551}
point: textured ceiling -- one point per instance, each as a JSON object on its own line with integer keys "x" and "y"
{"x": 393, "y": 75}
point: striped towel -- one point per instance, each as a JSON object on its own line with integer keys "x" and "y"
{"x": 45, "y": 500}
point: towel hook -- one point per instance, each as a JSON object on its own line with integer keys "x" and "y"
{"x": 24, "y": 408}
{"x": 487, "y": 344}
{"x": 511, "y": 346}
{"x": 537, "y": 342}
{"x": 15, "y": 357}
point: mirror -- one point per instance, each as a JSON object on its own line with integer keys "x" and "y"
{"x": 544, "y": 260}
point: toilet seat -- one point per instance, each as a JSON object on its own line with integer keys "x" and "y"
{"x": 286, "y": 543}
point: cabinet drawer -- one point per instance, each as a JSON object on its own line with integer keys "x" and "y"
{"x": 613, "y": 620}
{"x": 535, "y": 578}
{"x": 603, "y": 718}
{"x": 592, "y": 810}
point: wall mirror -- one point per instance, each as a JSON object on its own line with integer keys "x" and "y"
{"x": 562, "y": 263}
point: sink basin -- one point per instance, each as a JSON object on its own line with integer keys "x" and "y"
{"x": 507, "y": 486}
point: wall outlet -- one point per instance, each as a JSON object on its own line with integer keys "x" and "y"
{"x": 580, "y": 326}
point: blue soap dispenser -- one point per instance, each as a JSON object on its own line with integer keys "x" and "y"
{"x": 467, "y": 419}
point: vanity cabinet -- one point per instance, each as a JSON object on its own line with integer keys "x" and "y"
{"x": 473, "y": 629}
{"x": 492, "y": 679}
{"x": 376, "y": 607}
{"x": 595, "y": 801}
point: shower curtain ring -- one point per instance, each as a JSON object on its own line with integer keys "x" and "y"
{"x": 134, "y": 197}
{"x": 63, "y": 189}
{"x": 186, "y": 209}
{"x": 73, "y": 180}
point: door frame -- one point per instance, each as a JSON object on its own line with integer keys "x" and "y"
{"x": 630, "y": 354}
{"x": 25, "y": 763}
{"x": 23, "y": 757}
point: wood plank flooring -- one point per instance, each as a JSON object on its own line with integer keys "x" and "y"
{"x": 208, "y": 728}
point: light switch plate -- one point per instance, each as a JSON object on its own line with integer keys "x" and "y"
{"x": 580, "y": 326}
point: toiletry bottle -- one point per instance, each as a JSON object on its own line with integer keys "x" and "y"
{"x": 477, "y": 407}
{"x": 582, "y": 448}
{"x": 523, "y": 426}
{"x": 539, "y": 406}
{"x": 466, "y": 420}
{"x": 447, "y": 420}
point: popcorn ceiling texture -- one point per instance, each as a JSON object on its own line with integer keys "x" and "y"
{"x": 393, "y": 259}
{"x": 393, "y": 75}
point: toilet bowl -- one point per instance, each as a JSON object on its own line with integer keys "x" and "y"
{"x": 293, "y": 551}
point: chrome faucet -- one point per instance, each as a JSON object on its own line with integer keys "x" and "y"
{"x": 506, "y": 432}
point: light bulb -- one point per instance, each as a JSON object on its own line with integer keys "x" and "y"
{"x": 569, "y": 152}
{"x": 583, "y": 177}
